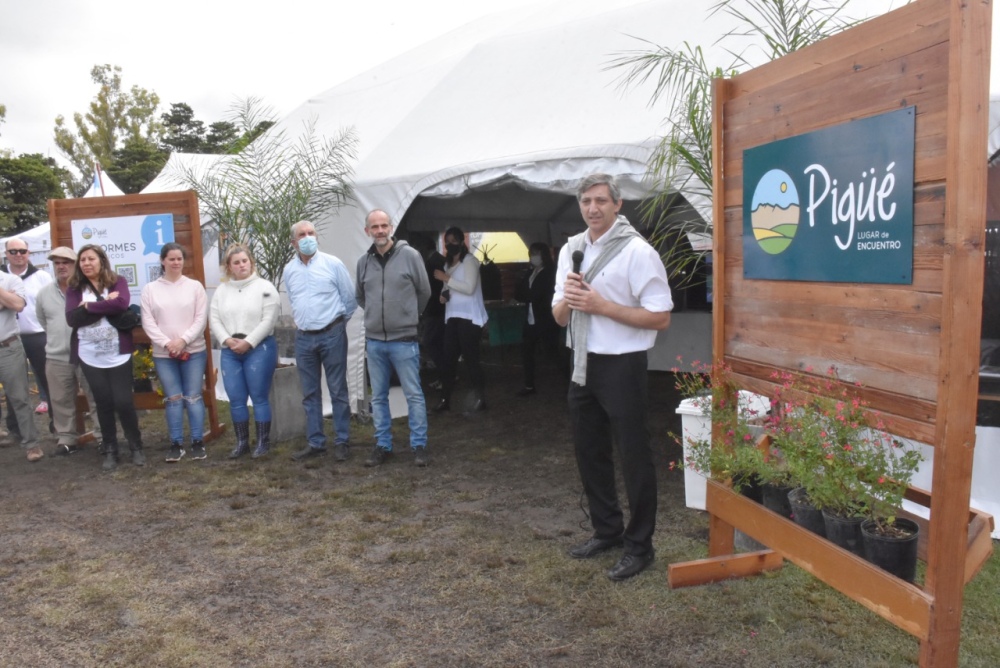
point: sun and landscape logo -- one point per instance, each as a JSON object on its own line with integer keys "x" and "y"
{"x": 774, "y": 213}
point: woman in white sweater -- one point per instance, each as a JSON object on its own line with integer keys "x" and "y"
{"x": 244, "y": 311}
{"x": 464, "y": 318}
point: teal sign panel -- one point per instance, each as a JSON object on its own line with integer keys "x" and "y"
{"x": 834, "y": 205}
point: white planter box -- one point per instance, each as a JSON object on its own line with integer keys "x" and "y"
{"x": 696, "y": 424}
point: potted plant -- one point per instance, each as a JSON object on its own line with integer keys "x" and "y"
{"x": 850, "y": 469}
{"x": 888, "y": 541}
{"x": 735, "y": 458}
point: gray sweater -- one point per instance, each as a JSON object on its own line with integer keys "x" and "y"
{"x": 393, "y": 289}
{"x": 50, "y": 309}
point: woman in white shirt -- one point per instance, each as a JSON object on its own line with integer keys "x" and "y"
{"x": 104, "y": 352}
{"x": 243, "y": 313}
{"x": 464, "y": 317}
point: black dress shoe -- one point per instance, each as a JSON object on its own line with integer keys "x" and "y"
{"x": 308, "y": 452}
{"x": 525, "y": 391}
{"x": 593, "y": 547}
{"x": 630, "y": 565}
{"x": 443, "y": 405}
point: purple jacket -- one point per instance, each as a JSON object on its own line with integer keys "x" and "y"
{"x": 77, "y": 316}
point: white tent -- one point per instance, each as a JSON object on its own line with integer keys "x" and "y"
{"x": 492, "y": 126}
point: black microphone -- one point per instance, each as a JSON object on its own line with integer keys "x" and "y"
{"x": 577, "y": 261}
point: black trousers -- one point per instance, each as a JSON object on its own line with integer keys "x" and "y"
{"x": 462, "y": 338}
{"x": 433, "y": 340}
{"x": 112, "y": 390}
{"x": 610, "y": 411}
{"x": 531, "y": 337}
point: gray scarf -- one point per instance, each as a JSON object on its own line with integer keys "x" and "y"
{"x": 620, "y": 234}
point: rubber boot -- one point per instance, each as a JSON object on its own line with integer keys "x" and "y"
{"x": 263, "y": 439}
{"x": 110, "y": 456}
{"x": 138, "y": 458}
{"x": 242, "y": 430}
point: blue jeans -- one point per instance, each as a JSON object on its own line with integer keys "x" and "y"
{"x": 182, "y": 386}
{"x": 314, "y": 354}
{"x": 404, "y": 357}
{"x": 250, "y": 375}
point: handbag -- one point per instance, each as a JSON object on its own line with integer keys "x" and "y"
{"x": 127, "y": 320}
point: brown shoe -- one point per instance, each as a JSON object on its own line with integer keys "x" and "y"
{"x": 35, "y": 453}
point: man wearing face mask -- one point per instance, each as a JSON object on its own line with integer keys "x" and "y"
{"x": 322, "y": 296}
{"x": 535, "y": 289}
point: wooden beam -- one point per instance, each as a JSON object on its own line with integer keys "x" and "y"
{"x": 717, "y": 569}
{"x": 902, "y": 603}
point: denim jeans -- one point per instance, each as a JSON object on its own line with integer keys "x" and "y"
{"x": 404, "y": 357}
{"x": 250, "y": 375}
{"x": 315, "y": 354}
{"x": 182, "y": 387}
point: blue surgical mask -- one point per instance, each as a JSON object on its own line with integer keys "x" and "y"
{"x": 308, "y": 246}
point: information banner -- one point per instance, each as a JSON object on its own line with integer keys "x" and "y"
{"x": 132, "y": 244}
{"x": 833, "y": 205}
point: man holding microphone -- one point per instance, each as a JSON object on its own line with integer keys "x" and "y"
{"x": 612, "y": 292}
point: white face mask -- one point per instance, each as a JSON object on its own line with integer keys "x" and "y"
{"x": 536, "y": 260}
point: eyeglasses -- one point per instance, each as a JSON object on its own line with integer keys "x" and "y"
{"x": 17, "y": 251}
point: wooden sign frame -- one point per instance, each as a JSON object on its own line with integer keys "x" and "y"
{"x": 187, "y": 232}
{"x": 914, "y": 349}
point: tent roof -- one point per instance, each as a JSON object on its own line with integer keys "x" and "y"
{"x": 528, "y": 88}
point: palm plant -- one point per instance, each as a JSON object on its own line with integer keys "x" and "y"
{"x": 681, "y": 164}
{"x": 255, "y": 195}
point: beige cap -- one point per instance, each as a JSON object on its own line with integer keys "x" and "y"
{"x": 64, "y": 252}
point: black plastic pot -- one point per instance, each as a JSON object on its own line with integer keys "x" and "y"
{"x": 844, "y": 532}
{"x": 804, "y": 513}
{"x": 750, "y": 487}
{"x": 898, "y": 555}
{"x": 776, "y": 498}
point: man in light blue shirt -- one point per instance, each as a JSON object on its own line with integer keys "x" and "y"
{"x": 322, "y": 296}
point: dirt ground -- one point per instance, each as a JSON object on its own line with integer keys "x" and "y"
{"x": 462, "y": 563}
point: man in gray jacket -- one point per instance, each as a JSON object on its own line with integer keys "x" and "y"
{"x": 392, "y": 287}
{"x": 64, "y": 378}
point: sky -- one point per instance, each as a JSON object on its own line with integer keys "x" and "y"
{"x": 209, "y": 53}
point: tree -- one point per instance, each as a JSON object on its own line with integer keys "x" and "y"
{"x": 182, "y": 132}
{"x": 256, "y": 195}
{"x": 27, "y": 182}
{"x": 136, "y": 164}
{"x": 115, "y": 117}
{"x": 681, "y": 165}
{"x": 222, "y": 135}
{"x": 3, "y": 113}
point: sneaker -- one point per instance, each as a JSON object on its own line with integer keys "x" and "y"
{"x": 420, "y": 457}
{"x": 378, "y": 456}
{"x": 176, "y": 452}
{"x": 198, "y": 450}
{"x": 42, "y": 407}
{"x": 35, "y": 453}
{"x": 341, "y": 451}
{"x": 138, "y": 458}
